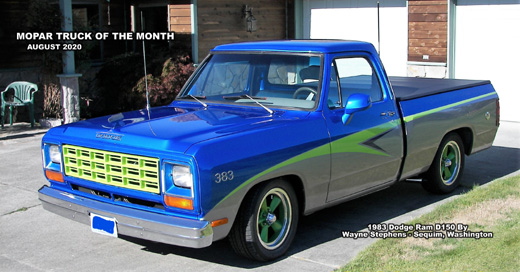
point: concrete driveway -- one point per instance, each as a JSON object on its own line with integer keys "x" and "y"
{"x": 32, "y": 239}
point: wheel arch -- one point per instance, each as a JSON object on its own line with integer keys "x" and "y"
{"x": 436, "y": 179}
{"x": 295, "y": 181}
{"x": 467, "y": 136}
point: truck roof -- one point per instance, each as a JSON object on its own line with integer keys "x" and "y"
{"x": 301, "y": 46}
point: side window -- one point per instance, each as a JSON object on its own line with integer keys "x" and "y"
{"x": 356, "y": 75}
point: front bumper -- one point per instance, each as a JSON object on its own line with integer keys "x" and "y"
{"x": 130, "y": 222}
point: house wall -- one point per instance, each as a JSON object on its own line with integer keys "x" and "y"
{"x": 486, "y": 47}
{"x": 427, "y": 38}
{"x": 180, "y": 18}
{"x": 179, "y": 21}
{"x": 222, "y": 21}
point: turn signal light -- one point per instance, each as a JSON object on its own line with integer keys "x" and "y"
{"x": 219, "y": 222}
{"x": 55, "y": 176}
{"x": 178, "y": 202}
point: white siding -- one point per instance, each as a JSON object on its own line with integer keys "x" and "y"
{"x": 357, "y": 20}
{"x": 487, "y": 46}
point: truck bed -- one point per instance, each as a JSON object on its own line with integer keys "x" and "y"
{"x": 407, "y": 88}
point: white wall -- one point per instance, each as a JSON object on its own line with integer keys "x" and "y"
{"x": 357, "y": 20}
{"x": 487, "y": 46}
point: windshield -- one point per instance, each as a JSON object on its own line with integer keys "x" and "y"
{"x": 272, "y": 80}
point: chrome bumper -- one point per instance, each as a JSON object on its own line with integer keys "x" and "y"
{"x": 130, "y": 222}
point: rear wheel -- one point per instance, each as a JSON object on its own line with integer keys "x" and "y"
{"x": 445, "y": 172}
{"x": 266, "y": 224}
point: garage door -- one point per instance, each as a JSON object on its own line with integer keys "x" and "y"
{"x": 357, "y": 20}
{"x": 487, "y": 46}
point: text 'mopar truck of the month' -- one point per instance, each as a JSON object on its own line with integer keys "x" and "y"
{"x": 261, "y": 134}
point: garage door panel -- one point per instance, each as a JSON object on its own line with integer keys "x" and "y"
{"x": 486, "y": 47}
{"x": 357, "y": 20}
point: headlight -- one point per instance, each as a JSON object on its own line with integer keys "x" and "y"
{"x": 55, "y": 154}
{"x": 182, "y": 176}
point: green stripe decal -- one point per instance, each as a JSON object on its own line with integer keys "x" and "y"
{"x": 353, "y": 143}
{"x": 349, "y": 144}
{"x": 428, "y": 112}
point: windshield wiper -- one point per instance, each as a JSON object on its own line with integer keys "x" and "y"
{"x": 237, "y": 97}
{"x": 254, "y": 99}
{"x": 196, "y": 98}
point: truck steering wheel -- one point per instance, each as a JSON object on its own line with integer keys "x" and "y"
{"x": 304, "y": 89}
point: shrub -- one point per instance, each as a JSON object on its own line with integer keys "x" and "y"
{"x": 121, "y": 84}
{"x": 115, "y": 82}
{"x": 51, "y": 98}
{"x": 164, "y": 88}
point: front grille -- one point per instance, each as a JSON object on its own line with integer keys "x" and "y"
{"x": 120, "y": 198}
{"x": 117, "y": 169}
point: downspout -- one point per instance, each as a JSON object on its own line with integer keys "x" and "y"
{"x": 286, "y": 21}
{"x": 194, "y": 33}
{"x": 452, "y": 17}
{"x": 133, "y": 26}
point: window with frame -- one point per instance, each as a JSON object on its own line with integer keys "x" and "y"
{"x": 352, "y": 75}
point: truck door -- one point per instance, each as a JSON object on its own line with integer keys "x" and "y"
{"x": 366, "y": 150}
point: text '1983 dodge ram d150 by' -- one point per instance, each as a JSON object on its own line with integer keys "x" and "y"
{"x": 262, "y": 133}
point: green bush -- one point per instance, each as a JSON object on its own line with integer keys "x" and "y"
{"x": 115, "y": 82}
{"x": 164, "y": 88}
{"x": 121, "y": 84}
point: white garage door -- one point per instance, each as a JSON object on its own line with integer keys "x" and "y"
{"x": 487, "y": 46}
{"x": 357, "y": 20}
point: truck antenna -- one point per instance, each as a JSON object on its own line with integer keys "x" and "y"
{"x": 378, "y": 31}
{"x": 145, "y": 73}
{"x": 146, "y": 79}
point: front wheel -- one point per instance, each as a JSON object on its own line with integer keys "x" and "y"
{"x": 266, "y": 224}
{"x": 446, "y": 170}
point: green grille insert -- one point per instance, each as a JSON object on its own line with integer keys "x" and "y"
{"x": 117, "y": 169}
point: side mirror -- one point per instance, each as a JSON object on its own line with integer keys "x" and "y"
{"x": 355, "y": 103}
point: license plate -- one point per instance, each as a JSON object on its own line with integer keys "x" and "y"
{"x": 103, "y": 225}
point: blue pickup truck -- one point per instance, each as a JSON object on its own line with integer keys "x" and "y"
{"x": 262, "y": 133}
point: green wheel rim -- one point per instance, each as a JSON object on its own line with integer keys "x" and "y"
{"x": 450, "y": 163}
{"x": 274, "y": 218}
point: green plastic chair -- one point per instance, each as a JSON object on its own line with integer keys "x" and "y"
{"x": 23, "y": 96}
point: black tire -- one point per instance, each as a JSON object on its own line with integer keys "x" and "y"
{"x": 266, "y": 222}
{"x": 446, "y": 170}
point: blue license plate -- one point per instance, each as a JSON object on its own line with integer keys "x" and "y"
{"x": 103, "y": 225}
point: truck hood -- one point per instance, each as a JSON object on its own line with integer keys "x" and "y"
{"x": 167, "y": 128}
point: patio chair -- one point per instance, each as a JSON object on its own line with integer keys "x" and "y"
{"x": 23, "y": 96}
